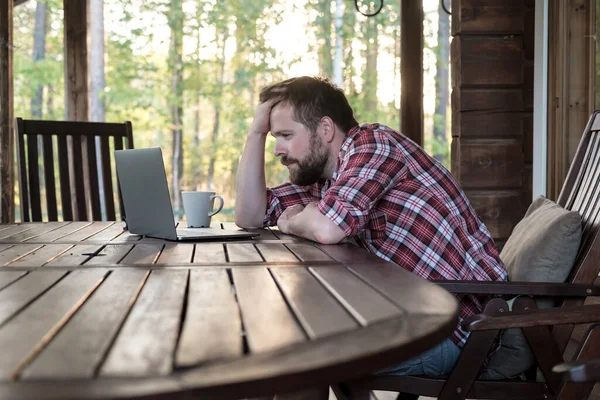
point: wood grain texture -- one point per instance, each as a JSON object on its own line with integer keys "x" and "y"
{"x": 20, "y": 336}
{"x": 108, "y": 234}
{"x": 76, "y": 255}
{"x": 41, "y": 256}
{"x": 87, "y": 231}
{"x": 242, "y": 252}
{"x": 268, "y": 321}
{"x": 209, "y": 253}
{"x": 363, "y": 303}
{"x": 19, "y": 294}
{"x": 276, "y": 252}
{"x": 82, "y": 343}
{"x": 57, "y": 234}
{"x": 110, "y": 254}
{"x": 308, "y": 252}
{"x": 146, "y": 343}
{"x": 487, "y": 17}
{"x": 38, "y": 230}
{"x": 176, "y": 253}
{"x": 8, "y": 277}
{"x": 13, "y": 230}
{"x": 317, "y": 310}
{"x": 142, "y": 254}
{"x": 16, "y": 252}
{"x": 212, "y": 328}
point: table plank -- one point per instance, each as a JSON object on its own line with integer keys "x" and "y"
{"x": 80, "y": 346}
{"x": 177, "y": 253}
{"x": 60, "y": 232}
{"x": 109, "y": 233}
{"x": 41, "y": 256}
{"x": 319, "y": 313}
{"x": 26, "y": 334}
{"x": 209, "y": 253}
{"x": 8, "y": 277}
{"x": 276, "y": 252}
{"x": 268, "y": 321}
{"x": 364, "y": 303}
{"x": 13, "y": 230}
{"x": 26, "y": 289}
{"x": 212, "y": 327}
{"x": 308, "y": 252}
{"x": 146, "y": 343}
{"x": 87, "y": 231}
{"x": 282, "y": 236}
{"x": 385, "y": 278}
{"x": 242, "y": 252}
{"x": 75, "y": 256}
{"x": 142, "y": 254}
{"x": 110, "y": 254}
{"x": 16, "y": 252}
{"x": 38, "y": 230}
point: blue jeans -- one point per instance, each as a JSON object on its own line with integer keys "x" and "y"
{"x": 437, "y": 361}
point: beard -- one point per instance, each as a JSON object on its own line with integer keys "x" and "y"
{"x": 311, "y": 168}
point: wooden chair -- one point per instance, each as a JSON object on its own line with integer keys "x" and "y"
{"x": 547, "y": 331}
{"x": 76, "y": 167}
{"x": 580, "y": 372}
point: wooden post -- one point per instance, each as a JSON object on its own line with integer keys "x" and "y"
{"x": 411, "y": 70}
{"x": 6, "y": 113}
{"x": 492, "y": 108}
{"x": 76, "y": 80}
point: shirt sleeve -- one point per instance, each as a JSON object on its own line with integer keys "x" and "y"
{"x": 371, "y": 166}
{"x": 286, "y": 195}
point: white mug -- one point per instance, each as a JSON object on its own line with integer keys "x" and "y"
{"x": 199, "y": 208}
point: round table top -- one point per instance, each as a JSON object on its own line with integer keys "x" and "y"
{"x": 90, "y": 311}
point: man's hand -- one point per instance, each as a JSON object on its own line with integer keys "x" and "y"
{"x": 262, "y": 118}
{"x": 283, "y": 223}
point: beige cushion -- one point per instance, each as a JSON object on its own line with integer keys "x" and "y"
{"x": 542, "y": 248}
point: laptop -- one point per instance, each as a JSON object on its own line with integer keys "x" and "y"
{"x": 146, "y": 201}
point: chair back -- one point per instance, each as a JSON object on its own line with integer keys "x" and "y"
{"x": 581, "y": 193}
{"x": 79, "y": 154}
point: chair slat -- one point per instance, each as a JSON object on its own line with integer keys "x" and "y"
{"x": 23, "y": 178}
{"x": 65, "y": 184}
{"x": 93, "y": 177}
{"x": 49, "y": 179}
{"x": 590, "y": 169}
{"x": 109, "y": 201}
{"x": 119, "y": 146}
{"x": 34, "y": 178}
{"x": 81, "y": 211}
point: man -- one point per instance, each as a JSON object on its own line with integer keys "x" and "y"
{"x": 366, "y": 182}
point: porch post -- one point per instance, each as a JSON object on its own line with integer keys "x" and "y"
{"x": 6, "y": 113}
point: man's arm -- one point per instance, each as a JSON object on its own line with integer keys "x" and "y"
{"x": 309, "y": 223}
{"x": 251, "y": 188}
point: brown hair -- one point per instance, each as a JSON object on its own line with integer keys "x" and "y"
{"x": 313, "y": 98}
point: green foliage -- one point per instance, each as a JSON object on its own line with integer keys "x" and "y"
{"x": 229, "y": 53}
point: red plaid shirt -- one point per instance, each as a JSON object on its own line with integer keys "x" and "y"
{"x": 403, "y": 206}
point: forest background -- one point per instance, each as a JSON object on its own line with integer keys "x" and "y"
{"x": 187, "y": 73}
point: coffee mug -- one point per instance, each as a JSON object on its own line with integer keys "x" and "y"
{"x": 199, "y": 208}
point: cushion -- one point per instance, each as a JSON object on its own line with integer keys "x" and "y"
{"x": 542, "y": 248}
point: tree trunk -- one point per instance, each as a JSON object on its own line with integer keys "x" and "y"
{"x": 97, "y": 81}
{"x": 217, "y": 106}
{"x": 176, "y": 17}
{"x": 324, "y": 38}
{"x": 370, "y": 72}
{"x": 440, "y": 147}
{"x": 197, "y": 168}
{"x": 39, "y": 53}
{"x": 337, "y": 61}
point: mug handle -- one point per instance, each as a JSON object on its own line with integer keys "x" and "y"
{"x": 216, "y": 196}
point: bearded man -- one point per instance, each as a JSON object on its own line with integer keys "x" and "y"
{"x": 366, "y": 182}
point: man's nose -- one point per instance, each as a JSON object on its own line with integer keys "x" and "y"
{"x": 279, "y": 149}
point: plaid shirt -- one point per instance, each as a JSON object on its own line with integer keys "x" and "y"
{"x": 403, "y": 206}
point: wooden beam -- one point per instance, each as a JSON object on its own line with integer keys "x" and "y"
{"x": 6, "y": 113}
{"x": 411, "y": 70}
{"x": 19, "y": 2}
{"x": 76, "y": 78}
{"x": 76, "y": 64}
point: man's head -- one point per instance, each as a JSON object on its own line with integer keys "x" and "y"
{"x": 309, "y": 123}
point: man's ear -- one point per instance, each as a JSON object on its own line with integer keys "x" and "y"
{"x": 328, "y": 129}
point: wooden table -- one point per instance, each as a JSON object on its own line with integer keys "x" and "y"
{"x": 90, "y": 311}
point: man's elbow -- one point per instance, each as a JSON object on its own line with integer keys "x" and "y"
{"x": 330, "y": 235}
{"x": 246, "y": 223}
